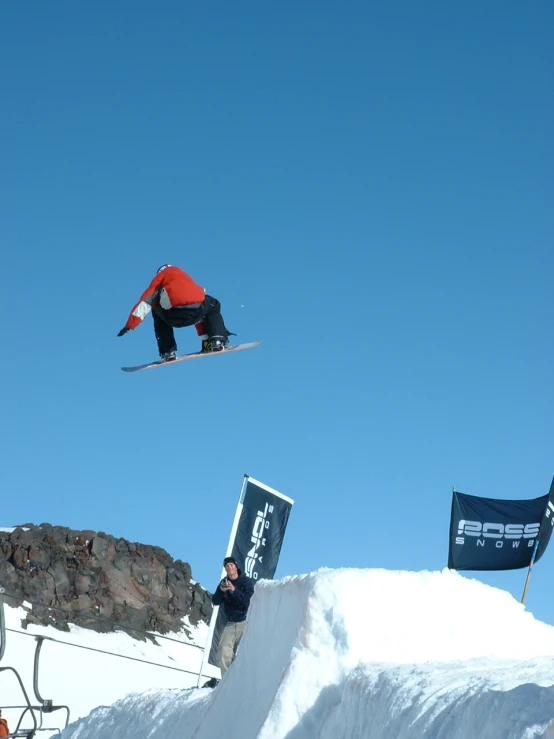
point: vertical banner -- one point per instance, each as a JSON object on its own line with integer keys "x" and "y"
{"x": 547, "y": 523}
{"x": 492, "y": 534}
{"x": 261, "y": 530}
{"x": 256, "y": 540}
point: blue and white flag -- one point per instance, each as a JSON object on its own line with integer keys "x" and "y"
{"x": 491, "y": 534}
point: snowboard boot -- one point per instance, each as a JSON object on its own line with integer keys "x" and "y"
{"x": 215, "y": 344}
{"x": 169, "y": 356}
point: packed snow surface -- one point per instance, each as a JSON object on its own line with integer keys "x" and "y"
{"x": 359, "y": 654}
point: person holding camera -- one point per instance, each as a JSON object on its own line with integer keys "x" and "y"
{"x": 234, "y": 593}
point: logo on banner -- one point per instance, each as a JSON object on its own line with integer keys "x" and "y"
{"x": 501, "y": 533}
{"x": 548, "y": 513}
{"x": 257, "y": 539}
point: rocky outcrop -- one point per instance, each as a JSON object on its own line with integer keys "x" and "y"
{"x": 85, "y": 573}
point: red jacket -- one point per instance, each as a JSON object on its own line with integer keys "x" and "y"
{"x": 4, "y": 731}
{"x": 170, "y": 288}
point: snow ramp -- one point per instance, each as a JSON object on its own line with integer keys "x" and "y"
{"x": 364, "y": 654}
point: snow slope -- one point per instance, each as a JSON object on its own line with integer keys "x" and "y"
{"x": 363, "y": 654}
{"x": 83, "y": 676}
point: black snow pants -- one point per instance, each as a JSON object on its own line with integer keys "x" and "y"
{"x": 208, "y": 312}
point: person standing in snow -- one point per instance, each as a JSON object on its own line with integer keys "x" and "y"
{"x": 4, "y": 731}
{"x": 177, "y": 301}
{"x": 234, "y": 593}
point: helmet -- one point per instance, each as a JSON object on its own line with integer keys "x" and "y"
{"x": 160, "y": 269}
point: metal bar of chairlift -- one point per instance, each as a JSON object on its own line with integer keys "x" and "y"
{"x": 2, "y": 625}
{"x": 30, "y": 732}
{"x": 46, "y": 705}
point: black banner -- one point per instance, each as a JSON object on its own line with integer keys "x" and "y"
{"x": 490, "y": 534}
{"x": 258, "y": 540}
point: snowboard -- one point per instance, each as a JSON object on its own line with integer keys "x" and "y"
{"x": 194, "y": 355}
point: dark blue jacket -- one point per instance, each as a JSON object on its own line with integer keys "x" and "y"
{"x": 235, "y": 602}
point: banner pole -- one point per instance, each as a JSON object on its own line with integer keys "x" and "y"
{"x": 215, "y": 611}
{"x": 545, "y": 531}
{"x": 529, "y": 571}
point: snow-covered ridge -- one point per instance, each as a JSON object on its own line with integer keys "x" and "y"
{"x": 364, "y": 654}
{"x": 83, "y": 669}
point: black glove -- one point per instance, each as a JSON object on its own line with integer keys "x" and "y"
{"x": 123, "y": 331}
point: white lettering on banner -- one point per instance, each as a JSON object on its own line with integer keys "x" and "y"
{"x": 548, "y": 513}
{"x": 498, "y": 544}
{"x": 510, "y": 531}
{"x": 261, "y": 524}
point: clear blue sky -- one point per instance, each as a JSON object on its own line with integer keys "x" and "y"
{"x": 366, "y": 186}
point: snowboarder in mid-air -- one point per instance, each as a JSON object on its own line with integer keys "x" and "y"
{"x": 177, "y": 301}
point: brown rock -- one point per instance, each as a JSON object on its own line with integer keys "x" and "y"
{"x": 78, "y": 575}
